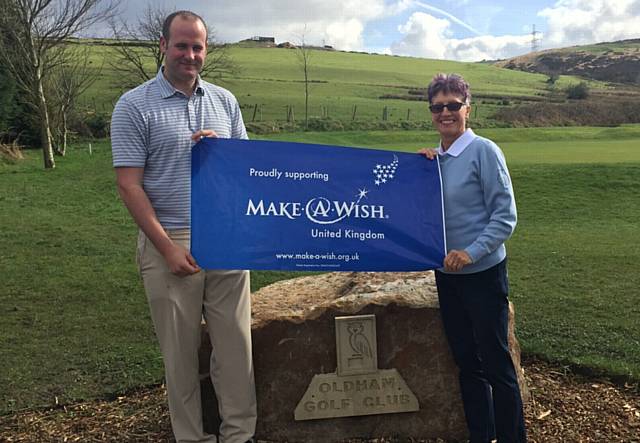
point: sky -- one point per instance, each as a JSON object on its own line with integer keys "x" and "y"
{"x": 463, "y": 30}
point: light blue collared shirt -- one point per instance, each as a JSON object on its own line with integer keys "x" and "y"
{"x": 479, "y": 205}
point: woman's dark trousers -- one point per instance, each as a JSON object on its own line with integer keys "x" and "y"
{"x": 475, "y": 313}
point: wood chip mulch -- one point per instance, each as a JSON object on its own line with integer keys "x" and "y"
{"x": 564, "y": 408}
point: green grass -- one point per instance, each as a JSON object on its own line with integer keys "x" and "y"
{"x": 272, "y": 79}
{"x": 573, "y": 263}
{"x": 521, "y": 145}
{"x": 75, "y": 322}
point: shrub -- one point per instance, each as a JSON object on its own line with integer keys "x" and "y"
{"x": 607, "y": 113}
{"x": 10, "y": 154}
{"x": 269, "y": 127}
{"x": 98, "y": 124}
{"x": 578, "y": 92}
{"x": 553, "y": 78}
{"x": 324, "y": 124}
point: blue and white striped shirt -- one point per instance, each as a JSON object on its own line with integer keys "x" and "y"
{"x": 151, "y": 128}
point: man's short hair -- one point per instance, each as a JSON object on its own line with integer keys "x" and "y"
{"x": 187, "y": 15}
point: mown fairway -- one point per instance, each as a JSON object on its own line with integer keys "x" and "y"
{"x": 75, "y": 323}
{"x": 521, "y": 145}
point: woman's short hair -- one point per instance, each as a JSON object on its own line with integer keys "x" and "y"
{"x": 449, "y": 84}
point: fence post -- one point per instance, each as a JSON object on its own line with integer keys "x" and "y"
{"x": 355, "y": 110}
{"x": 255, "y": 111}
{"x": 408, "y": 113}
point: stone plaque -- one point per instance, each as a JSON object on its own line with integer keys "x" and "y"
{"x": 357, "y": 387}
{"x": 356, "y": 345}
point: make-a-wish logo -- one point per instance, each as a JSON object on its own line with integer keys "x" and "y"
{"x": 323, "y": 211}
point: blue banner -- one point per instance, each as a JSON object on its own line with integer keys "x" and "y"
{"x": 297, "y": 206}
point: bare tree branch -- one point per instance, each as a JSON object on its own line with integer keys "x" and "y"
{"x": 32, "y": 33}
{"x": 67, "y": 83}
{"x": 138, "y": 53}
{"x": 303, "y": 51}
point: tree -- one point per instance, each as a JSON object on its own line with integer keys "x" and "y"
{"x": 15, "y": 113}
{"x": 138, "y": 52}
{"x": 303, "y": 51}
{"x": 69, "y": 80}
{"x": 34, "y": 34}
{"x": 7, "y": 100}
{"x": 15, "y": 118}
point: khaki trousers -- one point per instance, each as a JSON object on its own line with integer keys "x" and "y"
{"x": 177, "y": 305}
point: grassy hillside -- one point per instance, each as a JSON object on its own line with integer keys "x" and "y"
{"x": 610, "y": 62}
{"x": 271, "y": 78}
{"x": 620, "y": 47}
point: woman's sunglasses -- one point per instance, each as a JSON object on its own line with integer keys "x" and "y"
{"x": 453, "y": 107}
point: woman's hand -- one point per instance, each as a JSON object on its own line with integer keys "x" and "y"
{"x": 456, "y": 260}
{"x": 430, "y": 153}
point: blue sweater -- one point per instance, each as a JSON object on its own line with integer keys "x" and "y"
{"x": 479, "y": 206}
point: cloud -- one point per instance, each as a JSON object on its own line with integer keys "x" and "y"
{"x": 424, "y": 36}
{"x": 447, "y": 15}
{"x": 345, "y": 34}
{"x": 335, "y": 22}
{"x": 427, "y": 32}
{"x": 431, "y": 37}
{"x": 571, "y": 22}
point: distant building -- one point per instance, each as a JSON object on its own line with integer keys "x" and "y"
{"x": 261, "y": 39}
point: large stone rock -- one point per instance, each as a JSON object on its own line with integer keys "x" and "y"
{"x": 294, "y": 339}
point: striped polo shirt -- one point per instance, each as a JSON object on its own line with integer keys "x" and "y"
{"x": 151, "y": 128}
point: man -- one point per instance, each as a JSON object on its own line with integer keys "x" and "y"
{"x": 153, "y": 129}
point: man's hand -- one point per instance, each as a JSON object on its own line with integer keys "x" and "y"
{"x": 456, "y": 260}
{"x": 199, "y": 135}
{"x": 430, "y": 153}
{"x": 180, "y": 261}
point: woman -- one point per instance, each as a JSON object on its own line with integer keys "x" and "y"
{"x": 480, "y": 215}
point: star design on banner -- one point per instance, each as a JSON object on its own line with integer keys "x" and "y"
{"x": 385, "y": 173}
{"x": 362, "y": 193}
